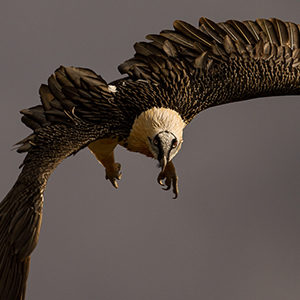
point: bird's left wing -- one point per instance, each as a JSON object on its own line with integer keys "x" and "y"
{"x": 214, "y": 64}
{"x": 77, "y": 108}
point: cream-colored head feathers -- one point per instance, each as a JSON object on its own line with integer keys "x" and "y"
{"x": 150, "y": 123}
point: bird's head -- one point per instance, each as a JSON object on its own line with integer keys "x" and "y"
{"x": 164, "y": 146}
{"x": 157, "y": 133}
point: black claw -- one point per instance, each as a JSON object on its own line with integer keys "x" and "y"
{"x": 160, "y": 182}
{"x": 114, "y": 183}
{"x": 167, "y": 182}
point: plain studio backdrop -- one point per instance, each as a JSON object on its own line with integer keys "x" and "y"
{"x": 234, "y": 231}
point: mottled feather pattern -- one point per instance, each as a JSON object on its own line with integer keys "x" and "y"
{"x": 261, "y": 56}
{"x": 70, "y": 117}
{"x": 185, "y": 70}
{"x": 73, "y": 95}
{"x": 21, "y": 209}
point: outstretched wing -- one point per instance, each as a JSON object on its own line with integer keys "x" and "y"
{"x": 76, "y": 107}
{"x": 220, "y": 63}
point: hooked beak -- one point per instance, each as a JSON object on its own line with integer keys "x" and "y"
{"x": 164, "y": 142}
{"x": 163, "y": 162}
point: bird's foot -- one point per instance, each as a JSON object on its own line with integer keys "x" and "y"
{"x": 168, "y": 178}
{"x": 112, "y": 173}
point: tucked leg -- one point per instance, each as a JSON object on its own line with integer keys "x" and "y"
{"x": 170, "y": 177}
{"x": 104, "y": 151}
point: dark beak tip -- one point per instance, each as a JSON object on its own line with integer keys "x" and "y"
{"x": 162, "y": 163}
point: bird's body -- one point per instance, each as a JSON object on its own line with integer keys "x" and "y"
{"x": 169, "y": 81}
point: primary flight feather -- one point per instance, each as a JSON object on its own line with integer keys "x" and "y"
{"x": 169, "y": 81}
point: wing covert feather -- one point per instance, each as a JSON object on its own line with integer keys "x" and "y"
{"x": 187, "y": 69}
{"x": 70, "y": 117}
{"x": 190, "y": 42}
{"x": 224, "y": 62}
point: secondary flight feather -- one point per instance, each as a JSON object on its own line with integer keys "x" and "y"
{"x": 170, "y": 79}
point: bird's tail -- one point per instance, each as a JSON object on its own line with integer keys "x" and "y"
{"x": 58, "y": 131}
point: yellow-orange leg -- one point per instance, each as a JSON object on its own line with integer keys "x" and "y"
{"x": 103, "y": 149}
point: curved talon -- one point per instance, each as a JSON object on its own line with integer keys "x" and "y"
{"x": 114, "y": 183}
{"x": 175, "y": 187}
{"x": 160, "y": 179}
{"x": 168, "y": 179}
{"x": 113, "y": 174}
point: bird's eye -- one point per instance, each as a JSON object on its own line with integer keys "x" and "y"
{"x": 155, "y": 142}
{"x": 174, "y": 143}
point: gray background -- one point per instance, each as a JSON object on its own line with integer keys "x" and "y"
{"x": 234, "y": 231}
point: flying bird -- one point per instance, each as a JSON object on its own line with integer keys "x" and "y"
{"x": 170, "y": 79}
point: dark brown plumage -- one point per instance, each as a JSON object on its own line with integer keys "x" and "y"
{"x": 180, "y": 72}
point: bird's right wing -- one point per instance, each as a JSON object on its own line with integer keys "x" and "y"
{"x": 77, "y": 108}
{"x": 214, "y": 64}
